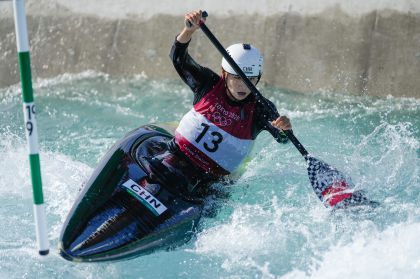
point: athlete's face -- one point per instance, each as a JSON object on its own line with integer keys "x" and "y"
{"x": 238, "y": 90}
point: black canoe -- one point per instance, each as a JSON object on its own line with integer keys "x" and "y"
{"x": 123, "y": 211}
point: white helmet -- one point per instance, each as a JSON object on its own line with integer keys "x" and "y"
{"x": 247, "y": 57}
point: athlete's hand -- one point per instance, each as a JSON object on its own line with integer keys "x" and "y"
{"x": 192, "y": 23}
{"x": 192, "y": 20}
{"x": 282, "y": 123}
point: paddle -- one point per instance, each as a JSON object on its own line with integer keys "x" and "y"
{"x": 333, "y": 188}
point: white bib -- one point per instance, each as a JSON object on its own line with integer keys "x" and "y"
{"x": 222, "y": 148}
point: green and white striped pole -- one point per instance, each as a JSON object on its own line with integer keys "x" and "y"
{"x": 30, "y": 125}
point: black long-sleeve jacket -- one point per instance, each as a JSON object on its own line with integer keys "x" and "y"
{"x": 201, "y": 80}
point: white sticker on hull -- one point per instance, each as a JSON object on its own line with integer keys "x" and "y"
{"x": 145, "y": 197}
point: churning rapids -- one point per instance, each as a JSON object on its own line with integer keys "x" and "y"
{"x": 272, "y": 225}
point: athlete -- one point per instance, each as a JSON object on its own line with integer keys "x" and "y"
{"x": 217, "y": 133}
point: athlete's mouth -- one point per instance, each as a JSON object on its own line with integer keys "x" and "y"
{"x": 242, "y": 93}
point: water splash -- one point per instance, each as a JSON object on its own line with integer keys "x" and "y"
{"x": 272, "y": 225}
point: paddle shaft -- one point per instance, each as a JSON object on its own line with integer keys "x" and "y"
{"x": 273, "y": 114}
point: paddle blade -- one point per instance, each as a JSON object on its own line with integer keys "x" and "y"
{"x": 333, "y": 188}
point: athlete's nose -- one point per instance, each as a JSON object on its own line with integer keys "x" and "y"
{"x": 243, "y": 87}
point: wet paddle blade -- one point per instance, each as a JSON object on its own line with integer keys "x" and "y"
{"x": 333, "y": 188}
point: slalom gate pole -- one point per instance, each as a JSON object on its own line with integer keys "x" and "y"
{"x": 30, "y": 125}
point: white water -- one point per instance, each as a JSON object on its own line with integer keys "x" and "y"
{"x": 272, "y": 225}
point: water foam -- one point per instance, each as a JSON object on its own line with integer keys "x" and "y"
{"x": 272, "y": 226}
{"x": 62, "y": 177}
{"x": 392, "y": 253}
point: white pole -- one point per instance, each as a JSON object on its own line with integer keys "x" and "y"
{"x": 30, "y": 125}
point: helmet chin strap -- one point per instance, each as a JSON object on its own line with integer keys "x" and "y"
{"x": 228, "y": 92}
{"x": 230, "y": 95}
